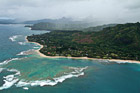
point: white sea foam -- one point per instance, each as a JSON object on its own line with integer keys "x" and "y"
{"x": 22, "y": 43}
{"x": 30, "y": 28}
{"x": 76, "y": 73}
{"x": 35, "y": 47}
{"x": 7, "y": 61}
{"x": 26, "y": 88}
{"x": 13, "y": 38}
{"x": 10, "y": 80}
{"x": 14, "y": 70}
{"x": 1, "y": 69}
{"x": 22, "y": 53}
{"x": 120, "y": 62}
{"x": 25, "y": 52}
{"x": 123, "y": 61}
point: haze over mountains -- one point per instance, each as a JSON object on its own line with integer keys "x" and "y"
{"x": 7, "y": 21}
{"x": 60, "y": 20}
{"x": 52, "y": 24}
{"x": 98, "y": 11}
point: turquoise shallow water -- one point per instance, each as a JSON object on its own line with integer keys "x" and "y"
{"x": 21, "y": 73}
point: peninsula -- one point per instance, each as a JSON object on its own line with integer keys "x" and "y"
{"x": 119, "y": 42}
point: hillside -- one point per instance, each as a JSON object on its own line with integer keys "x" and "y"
{"x": 98, "y": 28}
{"x": 119, "y": 42}
{"x": 123, "y": 41}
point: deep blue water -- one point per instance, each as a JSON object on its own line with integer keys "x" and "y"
{"x": 45, "y": 75}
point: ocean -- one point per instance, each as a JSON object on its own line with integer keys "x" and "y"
{"x": 22, "y": 70}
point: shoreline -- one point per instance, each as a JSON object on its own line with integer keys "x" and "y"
{"x": 86, "y": 58}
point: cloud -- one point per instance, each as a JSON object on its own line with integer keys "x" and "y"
{"x": 110, "y": 11}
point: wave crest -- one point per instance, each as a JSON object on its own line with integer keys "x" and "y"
{"x": 7, "y": 61}
{"x": 26, "y": 52}
{"x": 10, "y": 80}
{"x": 22, "y": 43}
{"x": 13, "y": 38}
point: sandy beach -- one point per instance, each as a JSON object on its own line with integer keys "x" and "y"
{"x": 109, "y": 60}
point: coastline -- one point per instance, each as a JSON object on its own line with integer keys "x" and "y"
{"x": 109, "y": 60}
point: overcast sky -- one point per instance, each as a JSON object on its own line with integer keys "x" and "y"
{"x": 111, "y": 11}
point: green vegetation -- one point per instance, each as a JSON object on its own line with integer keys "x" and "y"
{"x": 119, "y": 42}
{"x": 98, "y": 28}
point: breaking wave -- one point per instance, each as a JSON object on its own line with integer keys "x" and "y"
{"x": 1, "y": 69}
{"x": 13, "y": 38}
{"x": 36, "y": 47}
{"x": 124, "y": 61}
{"x": 22, "y": 43}
{"x": 7, "y": 61}
{"x": 26, "y": 52}
{"x": 11, "y": 80}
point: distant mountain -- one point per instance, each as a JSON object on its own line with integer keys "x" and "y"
{"x": 65, "y": 24}
{"x": 8, "y": 21}
{"x": 58, "y": 26}
{"x": 61, "y": 20}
